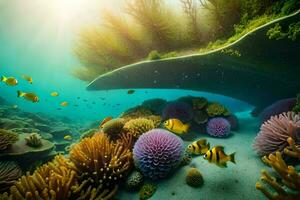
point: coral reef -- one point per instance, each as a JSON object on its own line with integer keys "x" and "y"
{"x": 289, "y": 186}
{"x": 292, "y": 150}
{"x": 147, "y": 191}
{"x": 274, "y": 133}
{"x": 157, "y": 153}
{"x": 50, "y": 181}
{"x": 216, "y": 109}
{"x": 281, "y": 106}
{"x": 199, "y": 103}
{"x": 178, "y": 110}
{"x": 156, "y": 119}
{"x": 234, "y": 122}
{"x": 134, "y": 181}
{"x": 155, "y": 105}
{"x": 200, "y": 117}
{"x": 9, "y": 172}
{"x": 138, "y": 126}
{"x": 88, "y": 133}
{"x": 194, "y": 177}
{"x": 114, "y": 128}
{"x": 136, "y": 112}
{"x": 218, "y": 127}
{"x": 34, "y": 140}
{"x": 7, "y": 138}
{"x": 102, "y": 163}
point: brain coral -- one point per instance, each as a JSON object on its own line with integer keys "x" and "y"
{"x": 274, "y": 133}
{"x": 157, "y": 153}
{"x": 7, "y": 138}
{"x": 218, "y": 127}
{"x": 138, "y": 126}
{"x": 216, "y": 109}
{"x": 178, "y": 110}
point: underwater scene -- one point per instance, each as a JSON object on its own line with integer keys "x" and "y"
{"x": 149, "y": 99}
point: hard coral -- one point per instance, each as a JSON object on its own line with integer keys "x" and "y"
{"x": 194, "y": 177}
{"x": 292, "y": 150}
{"x": 134, "y": 181}
{"x": 147, "y": 191}
{"x": 178, "y": 110}
{"x": 114, "y": 128}
{"x": 34, "y": 140}
{"x": 136, "y": 112}
{"x": 218, "y": 127}
{"x": 289, "y": 176}
{"x": 216, "y": 109}
{"x": 138, "y": 126}
{"x": 102, "y": 163}
{"x": 274, "y": 133}
{"x": 9, "y": 172}
{"x": 157, "y": 153}
{"x": 7, "y": 138}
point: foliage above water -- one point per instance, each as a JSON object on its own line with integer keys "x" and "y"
{"x": 154, "y": 29}
{"x": 278, "y": 33}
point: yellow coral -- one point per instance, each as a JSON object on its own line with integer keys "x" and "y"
{"x": 138, "y": 126}
{"x": 292, "y": 150}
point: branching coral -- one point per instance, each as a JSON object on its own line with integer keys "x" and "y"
{"x": 9, "y": 172}
{"x": 50, "y": 181}
{"x": 101, "y": 163}
{"x": 274, "y": 133}
{"x": 292, "y": 150}
{"x": 290, "y": 179}
{"x": 34, "y": 140}
{"x": 7, "y": 138}
{"x": 137, "y": 127}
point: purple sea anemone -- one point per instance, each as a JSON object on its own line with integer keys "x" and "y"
{"x": 157, "y": 153}
{"x": 277, "y": 108}
{"x": 218, "y": 127}
{"x": 178, "y": 110}
{"x": 274, "y": 133}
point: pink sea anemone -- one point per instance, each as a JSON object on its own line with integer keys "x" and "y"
{"x": 273, "y": 133}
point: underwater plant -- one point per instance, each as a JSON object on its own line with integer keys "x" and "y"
{"x": 134, "y": 181}
{"x": 7, "y": 138}
{"x": 102, "y": 163}
{"x": 138, "y": 126}
{"x": 34, "y": 140}
{"x": 9, "y": 173}
{"x": 114, "y": 128}
{"x": 274, "y": 133}
{"x": 147, "y": 191}
{"x": 194, "y": 177}
{"x": 157, "y": 153}
{"x": 289, "y": 186}
{"x": 178, "y": 110}
{"x": 218, "y": 127}
{"x": 216, "y": 109}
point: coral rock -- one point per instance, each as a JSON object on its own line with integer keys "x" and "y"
{"x": 138, "y": 126}
{"x": 218, "y": 127}
{"x": 147, "y": 191}
{"x": 194, "y": 177}
{"x": 7, "y": 138}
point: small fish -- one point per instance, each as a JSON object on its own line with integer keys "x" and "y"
{"x": 15, "y": 106}
{"x": 198, "y": 147}
{"x": 217, "y": 156}
{"x": 176, "y": 126}
{"x": 28, "y": 96}
{"x": 106, "y": 119}
{"x": 54, "y": 94}
{"x": 27, "y": 78}
{"x": 11, "y": 81}
{"x": 68, "y": 137}
{"x": 64, "y": 104}
{"x": 130, "y": 91}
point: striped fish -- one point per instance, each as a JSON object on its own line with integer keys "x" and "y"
{"x": 198, "y": 147}
{"x": 176, "y": 126}
{"x": 217, "y": 156}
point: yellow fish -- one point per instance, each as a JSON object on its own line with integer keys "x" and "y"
{"x": 68, "y": 137}
{"x": 28, "y": 96}
{"x": 176, "y": 126}
{"x": 11, "y": 81}
{"x": 64, "y": 104}
{"x": 217, "y": 156}
{"x": 27, "y": 78}
{"x": 54, "y": 94}
{"x": 198, "y": 147}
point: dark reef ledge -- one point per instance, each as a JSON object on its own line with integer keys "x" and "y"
{"x": 266, "y": 70}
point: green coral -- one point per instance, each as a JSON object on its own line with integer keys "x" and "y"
{"x": 34, "y": 140}
{"x": 137, "y": 127}
{"x": 7, "y": 138}
{"x": 147, "y": 191}
{"x": 134, "y": 181}
{"x": 114, "y": 128}
{"x": 296, "y": 107}
{"x": 194, "y": 178}
{"x": 217, "y": 109}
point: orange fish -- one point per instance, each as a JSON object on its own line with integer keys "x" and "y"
{"x": 106, "y": 119}
{"x": 64, "y": 104}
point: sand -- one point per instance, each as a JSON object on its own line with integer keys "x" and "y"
{"x": 234, "y": 182}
